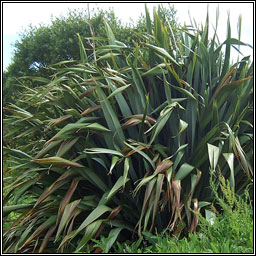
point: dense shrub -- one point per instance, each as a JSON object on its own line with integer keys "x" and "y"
{"x": 122, "y": 144}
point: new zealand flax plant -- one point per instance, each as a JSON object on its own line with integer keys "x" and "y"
{"x": 118, "y": 145}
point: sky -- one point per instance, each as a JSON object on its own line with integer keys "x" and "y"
{"x": 17, "y": 16}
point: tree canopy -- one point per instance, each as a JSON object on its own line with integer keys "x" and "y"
{"x": 40, "y": 47}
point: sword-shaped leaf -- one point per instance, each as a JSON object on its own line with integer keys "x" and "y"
{"x": 162, "y": 52}
{"x": 66, "y": 215}
{"x": 126, "y": 169}
{"x": 66, "y": 199}
{"x": 113, "y": 234}
{"x": 118, "y": 90}
{"x": 141, "y": 153}
{"x": 66, "y": 146}
{"x": 63, "y": 179}
{"x": 48, "y": 148}
{"x": 57, "y": 161}
{"x": 43, "y": 227}
{"x": 96, "y": 213}
{"x": 102, "y": 151}
{"x": 90, "y": 232}
{"x": 11, "y": 208}
{"x": 159, "y": 184}
{"x": 184, "y": 170}
{"x": 120, "y": 182}
{"x": 46, "y": 239}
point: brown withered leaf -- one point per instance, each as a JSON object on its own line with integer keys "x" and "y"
{"x": 90, "y": 110}
{"x": 163, "y": 166}
{"x": 88, "y": 91}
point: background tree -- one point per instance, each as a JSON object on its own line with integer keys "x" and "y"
{"x": 39, "y": 47}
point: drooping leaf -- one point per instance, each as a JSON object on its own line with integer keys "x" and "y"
{"x": 113, "y": 234}
{"x": 184, "y": 170}
{"x": 90, "y": 232}
{"x": 120, "y": 182}
{"x": 66, "y": 146}
{"x": 66, "y": 215}
{"x": 58, "y": 161}
{"x": 11, "y": 208}
{"x": 103, "y": 151}
{"x": 97, "y": 212}
{"x": 44, "y": 226}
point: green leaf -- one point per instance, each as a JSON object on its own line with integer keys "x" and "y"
{"x": 213, "y": 153}
{"x": 113, "y": 234}
{"x": 144, "y": 181}
{"x": 161, "y": 121}
{"x": 90, "y": 232}
{"x": 167, "y": 90}
{"x": 230, "y": 160}
{"x": 148, "y": 191}
{"x": 96, "y": 213}
{"x": 148, "y": 21}
{"x": 66, "y": 146}
{"x": 66, "y": 216}
{"x": 182, "y": 126}
{"x": 227, "y": 52}
{"x": 58, "y": 161}
{"x": 24, "y": 187}
{"x": 113, "y": 163}
{"x": 120, "y": 182}
{"x": 159, "y": 184}
{"x": 93, "y": 177}
{"x": 62, "y": 180}
{"x": 162, "y": 52}
{"x": 118, "y": 90}
{"x": 202, "y": 204}
{"x": 44, "y": 226}
{"x": 97, "y": 127}
{"x": 109, "y": 32}
{"x": 141, "y": 153}
{"x": 108, "y": 56}
{"x": 25, "y": 234}
{"x": 185, "y": 92}
{"x": 157, "y": 70}
{"x": 11, "y": 208}
{"x": 68, "y": 128}
{"x": 184, "y": 170}
{"x": 111, "y": 118}
{"x": 48, "y": 148}
{"x": 103, "y": 151}
{"x": 126, "y": 169}
{"x": 83, "y": 54}
{"x": 17, "y": 153}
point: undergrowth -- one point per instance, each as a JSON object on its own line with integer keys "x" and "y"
{"x": 227, "y": 231}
